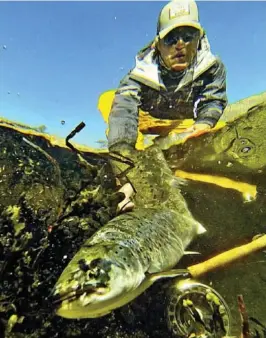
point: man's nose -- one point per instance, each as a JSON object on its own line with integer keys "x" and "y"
{"x": 179, "y": 43}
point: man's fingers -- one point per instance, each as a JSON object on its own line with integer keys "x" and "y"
{"x": 127, "y": 190}
{"x": 126, "y": 204}
{"x": 197, "y": 133}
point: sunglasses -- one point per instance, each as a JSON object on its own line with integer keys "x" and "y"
{"x": 185, "y": 34}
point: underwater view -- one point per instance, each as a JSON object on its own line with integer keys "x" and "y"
{"x": 132, "y": 169}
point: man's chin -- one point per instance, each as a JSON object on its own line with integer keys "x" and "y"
{"x": 177, "y": 67}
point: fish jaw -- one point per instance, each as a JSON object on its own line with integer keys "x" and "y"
{"x": 92, "y": 304}
{"x": 93, "y": 284}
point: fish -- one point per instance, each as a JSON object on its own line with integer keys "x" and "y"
{"x": 134, "y": 249}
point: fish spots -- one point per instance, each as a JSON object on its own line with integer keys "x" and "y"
{"x": 117, "y": 251}
{"x": 124, "y": 254}
{"x": 98, "y": 269}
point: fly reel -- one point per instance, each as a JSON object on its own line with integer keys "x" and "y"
{"x": 197, "y": 310}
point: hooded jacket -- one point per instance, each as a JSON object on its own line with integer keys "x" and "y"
{"x": 199, "y": 92}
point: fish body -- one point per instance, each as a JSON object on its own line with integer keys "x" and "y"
{"x": 115, "y": 262}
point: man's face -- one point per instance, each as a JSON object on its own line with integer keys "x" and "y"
{"x": 179, "y": 47}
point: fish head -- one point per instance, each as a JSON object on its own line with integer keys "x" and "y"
{"x": 91, "y": 284}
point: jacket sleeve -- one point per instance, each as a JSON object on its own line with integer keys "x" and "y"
{"x": 212, "y": 99}
{"x": 124, "y": 115}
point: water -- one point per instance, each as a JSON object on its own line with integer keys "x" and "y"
{"x": 54, "y": 209}
{"x": 55, "y": 61}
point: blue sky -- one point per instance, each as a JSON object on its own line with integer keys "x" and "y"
{"x": 56, "y": 58}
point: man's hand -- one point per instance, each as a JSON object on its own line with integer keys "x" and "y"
{"x": 199, "y": 127}
{"x": 126, "y": 204}
{"x": 177, "y": 138}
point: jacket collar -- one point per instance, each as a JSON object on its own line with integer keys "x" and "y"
{"x": 147, "y": 72}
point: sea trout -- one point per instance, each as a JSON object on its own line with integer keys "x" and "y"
{"x": 113, "y": 265}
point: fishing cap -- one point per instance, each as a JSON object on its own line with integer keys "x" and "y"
{"x": 178, "y": 13}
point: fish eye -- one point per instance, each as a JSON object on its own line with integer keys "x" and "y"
{"x": 83, "y": 265}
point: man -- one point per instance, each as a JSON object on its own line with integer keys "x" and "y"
{"x": 175, "y": 77}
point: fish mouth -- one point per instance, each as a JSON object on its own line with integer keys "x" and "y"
{"x": 72, "y": 295}
{"x": 87, "y": 302}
